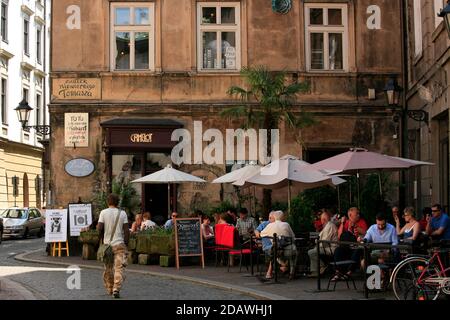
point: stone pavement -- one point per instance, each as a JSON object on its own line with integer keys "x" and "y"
{"x": 302, "y": 288}
{"x": 11, "y": 290}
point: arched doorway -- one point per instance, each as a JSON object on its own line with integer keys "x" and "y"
{"x": 26, "y": 195}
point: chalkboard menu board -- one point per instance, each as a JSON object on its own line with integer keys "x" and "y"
{"x": 188, "y": 239}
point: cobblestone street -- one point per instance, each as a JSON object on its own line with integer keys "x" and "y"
{"x": 47, "y": 282}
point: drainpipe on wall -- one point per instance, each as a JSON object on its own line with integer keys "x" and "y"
{"x": 404, "y": 118}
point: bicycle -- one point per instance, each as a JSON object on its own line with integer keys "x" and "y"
{"x": 421, "y": 277}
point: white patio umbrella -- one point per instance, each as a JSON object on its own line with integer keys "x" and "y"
{"x": 287, "y": 170}
{"x": 242, "y": 173}
{"x": 239, "y": 174}
{"x": 168, "y": 175}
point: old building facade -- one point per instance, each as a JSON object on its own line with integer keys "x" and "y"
{"x": 133, "y": 71}
{"x": 24, "y": 70}
{"x": 428, "y": 68}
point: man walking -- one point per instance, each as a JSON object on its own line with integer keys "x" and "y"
{"x": 113, "y": 228}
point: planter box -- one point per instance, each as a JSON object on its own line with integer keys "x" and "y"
{"x": 132, "y": 257}
{"x": 143, "y": 244}
{"x": 90, "y": 237}
{"x": 132, "y": 244}
{"x": 162, "y": 244}
{"x": 166, "y": 261}
{"x": 144, "y": 259}
{"x": 89, "y": 252}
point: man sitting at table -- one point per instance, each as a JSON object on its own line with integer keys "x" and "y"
{"x": 246, "y": 225}
{"x": 328, "y": 233}
{"x": 381, "y": 232}
{"x": 438, "y": 226}
{"x": 282, "y": 229}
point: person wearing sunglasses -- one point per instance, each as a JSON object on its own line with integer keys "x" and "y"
{"x": 411, "y": 229}
{"x": 438, "y": 226}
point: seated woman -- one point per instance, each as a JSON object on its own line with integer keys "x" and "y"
{"x": 147, "y": 223}
{"x": 207, "y": 231}
{"x": 136, "y": 226}
{"x": 411, "y": 229}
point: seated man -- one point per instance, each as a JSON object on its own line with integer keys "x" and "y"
{"x": 438, "y": 226}
{"x": 328, "y": 233}
{"x": 171, "y": 222}
{"x": 349, "y": 230}
{"x": 282, "y": 229}
{"x": 246, "y": 225}
{"x": 381, "y": 232}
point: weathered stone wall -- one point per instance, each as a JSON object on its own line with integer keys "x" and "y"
{"x": 176, "y": 90}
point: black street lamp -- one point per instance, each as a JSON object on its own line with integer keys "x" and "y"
{"x": 393, "y": 91}
{"x": 445, "y": 13}
{"x": 23, "y": 113}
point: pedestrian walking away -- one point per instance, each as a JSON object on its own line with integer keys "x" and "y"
{"x": 113, "y": 228}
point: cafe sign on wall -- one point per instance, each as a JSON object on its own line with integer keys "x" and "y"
{"x": 76, "y": 129}
{"x": 77, "y": 89}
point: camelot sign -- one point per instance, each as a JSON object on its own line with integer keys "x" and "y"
{"x": 141, "y": 137}
{"x": 77, "y": 89}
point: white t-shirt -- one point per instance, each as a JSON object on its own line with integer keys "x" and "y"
{"x": 108, "y": 218}
{"x": 148, "y": 224}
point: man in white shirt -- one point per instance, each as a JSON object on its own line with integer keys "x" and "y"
{"x": 282, "y": 229}
{"x": 328, "y": 233}
{"x": 117, "y": 236}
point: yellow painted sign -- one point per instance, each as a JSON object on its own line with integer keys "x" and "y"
{"x": 77, "y": 89}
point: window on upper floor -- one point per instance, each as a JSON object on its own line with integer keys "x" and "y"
{"x": 38, "y": 109}
{"x": 26, "y": 35}
{"x": 4, "y": 106}
{"x": 25, "y": 94}
{"x": 417, "y": 27}
{"x": 218, "y": 36}
{"x": 4, "y": 20}
{"x": 326, "y": 27}
{"x": 132, "y": 36}
{"x": 39, "y": 44}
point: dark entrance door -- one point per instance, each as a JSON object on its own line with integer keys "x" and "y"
{"x": 156, "y": 202}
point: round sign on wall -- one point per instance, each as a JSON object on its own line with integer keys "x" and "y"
{"x": 79, "y": 167}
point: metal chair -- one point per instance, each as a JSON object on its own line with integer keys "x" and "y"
{"x": 336, "y": 266}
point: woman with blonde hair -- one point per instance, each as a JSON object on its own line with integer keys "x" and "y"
{"x": 411, "y": 229}
{"x": 136, "y": 226}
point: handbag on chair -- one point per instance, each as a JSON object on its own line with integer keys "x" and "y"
{"x": 105, "y": 251}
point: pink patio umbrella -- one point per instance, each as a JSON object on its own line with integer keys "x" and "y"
{"x": 359, "y": 160}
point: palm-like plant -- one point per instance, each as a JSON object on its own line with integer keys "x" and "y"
{"x": 267, "y": 101}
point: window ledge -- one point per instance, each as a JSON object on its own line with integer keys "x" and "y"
{"x": 417, "y": 58}
{"x": 437, "y": 31}
{"x": 27, "y": 10}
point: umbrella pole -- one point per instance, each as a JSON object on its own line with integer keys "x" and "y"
{"x": 168, "y": 201}
{"x": 289, "y": 197}
{"x": 379, "y": 183}
{"x": 254, "y": 200}
{"x": 357, "y": 177}
{"x": 339, "y": 200}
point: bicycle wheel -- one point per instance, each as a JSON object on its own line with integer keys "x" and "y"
{"x": 406, "y": 284}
